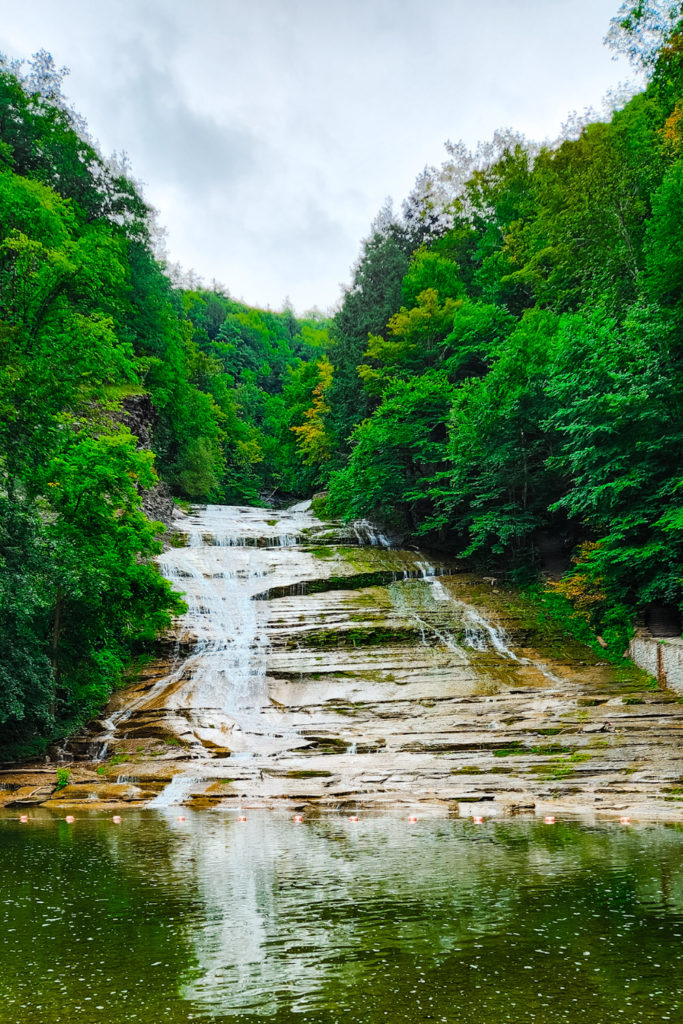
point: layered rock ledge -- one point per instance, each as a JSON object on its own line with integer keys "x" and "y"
{"x": 317, "y": 673}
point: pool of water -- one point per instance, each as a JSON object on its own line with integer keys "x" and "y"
{"x": 211, "y": 919}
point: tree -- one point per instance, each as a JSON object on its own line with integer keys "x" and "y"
{"x": 374, "y": 296}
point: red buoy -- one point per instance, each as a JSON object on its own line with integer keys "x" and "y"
{"x": 549, "y": 820}
{"x": 242, "y": 817}
{"x": 353, "y": 818}
{"x": 298, "y": 818}
{"x": 180, "y": 818}
{"x": 624, "y": 821}
{"x": 477, "y": 819}
{"x": 412, "y": 817}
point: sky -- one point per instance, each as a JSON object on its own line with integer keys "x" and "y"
{"x": 268, "y": 133}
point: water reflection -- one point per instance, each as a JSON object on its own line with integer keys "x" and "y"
{"x": 213, "y": 919}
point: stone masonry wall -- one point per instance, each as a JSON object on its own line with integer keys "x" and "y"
{"x": 663, "y": 659}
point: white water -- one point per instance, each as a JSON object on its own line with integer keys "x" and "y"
{"x": 220, "y": 691}
{"x": 218, "y": 697}
{"x": 229, "y": 657}
{"x": 481, "y": 635}
{"x": 177, "y": 791}
{"x": 235, "y": 553}
{"x": 221, "y": 686}
{"x": 228, "y": 554}
{"x": 367, "y": 533}
{"x": 417, "y": 602}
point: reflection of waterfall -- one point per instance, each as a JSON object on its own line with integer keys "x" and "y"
{"x": 249, "y": 878}
{"x": 289, "y": 916}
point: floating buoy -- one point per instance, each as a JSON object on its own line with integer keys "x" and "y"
{"x": 242, "y": 817}
{"x": 549, "y": 820}
{"x": 477, "y": 819}
{"x": 180, "y": 818}
{"x": 298, "y": 818}
{"x": 116, "y": 819}
{"x": 624, "y": 821}
{"x": 353, "y": 818}
{"x": 70, "y": 818}
{"x": 23, "y": 818}
{"x": 412, "y": 817}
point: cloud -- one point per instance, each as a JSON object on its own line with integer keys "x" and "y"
{"x": 269, "y": 132}
{"x": 186, "y": 147}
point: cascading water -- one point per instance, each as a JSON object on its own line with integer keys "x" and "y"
{"x": 220, "y": 690}
{"x": 177, "y": 791}
{"x": 220, "y": 569}
{"x": 267, "y": 591}
{"x": 229, "y": 657}
{"x": 367, "y": 533}
{"x": 480, "y": 634}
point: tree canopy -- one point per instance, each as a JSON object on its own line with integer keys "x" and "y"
{"x": 505, "y": 368}
{"x": 90, "y": 327}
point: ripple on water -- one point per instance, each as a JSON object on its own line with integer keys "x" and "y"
{"x": 211, "y": 919}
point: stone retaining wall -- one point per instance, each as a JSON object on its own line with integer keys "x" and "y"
{"x": 663, "y": 659}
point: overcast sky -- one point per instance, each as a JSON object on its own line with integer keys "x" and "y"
{"x": 269, "y": 132}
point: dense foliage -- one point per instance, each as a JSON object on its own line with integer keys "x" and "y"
{"x": 90, "y": 330}
{"x": 502, "y": 379}
{"x": 520, "y": 385}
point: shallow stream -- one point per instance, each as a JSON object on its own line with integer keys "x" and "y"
{"x": 212, "y": 919}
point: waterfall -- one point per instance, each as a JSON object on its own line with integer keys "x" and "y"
{"x": 367, "y": 533}
{"x": 480, "y": 634}
{"x": 177, "y": 791}
{"x": 419, "y": 601}
{"x": 218, "y": 570}
{"x": 216, "y": 700}
{"x": 220, "y": 691}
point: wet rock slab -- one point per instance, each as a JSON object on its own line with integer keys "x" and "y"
{"x": 317, "y": 672}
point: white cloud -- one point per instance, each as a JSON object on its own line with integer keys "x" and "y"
{"x": 268, "y": 132}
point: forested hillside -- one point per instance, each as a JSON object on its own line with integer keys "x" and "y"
{"x": 90, "y": 330}
{"x": 508, "y": 366}
{"x": 502, "y": 380}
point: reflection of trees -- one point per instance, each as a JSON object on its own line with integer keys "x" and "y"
{"x": 346, "y": 921}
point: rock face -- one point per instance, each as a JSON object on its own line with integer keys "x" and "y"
{"x": 139, "y": 415}
{"x": 313, "y": 671}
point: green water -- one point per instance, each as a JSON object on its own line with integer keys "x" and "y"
{"x": 211, "y": 920}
